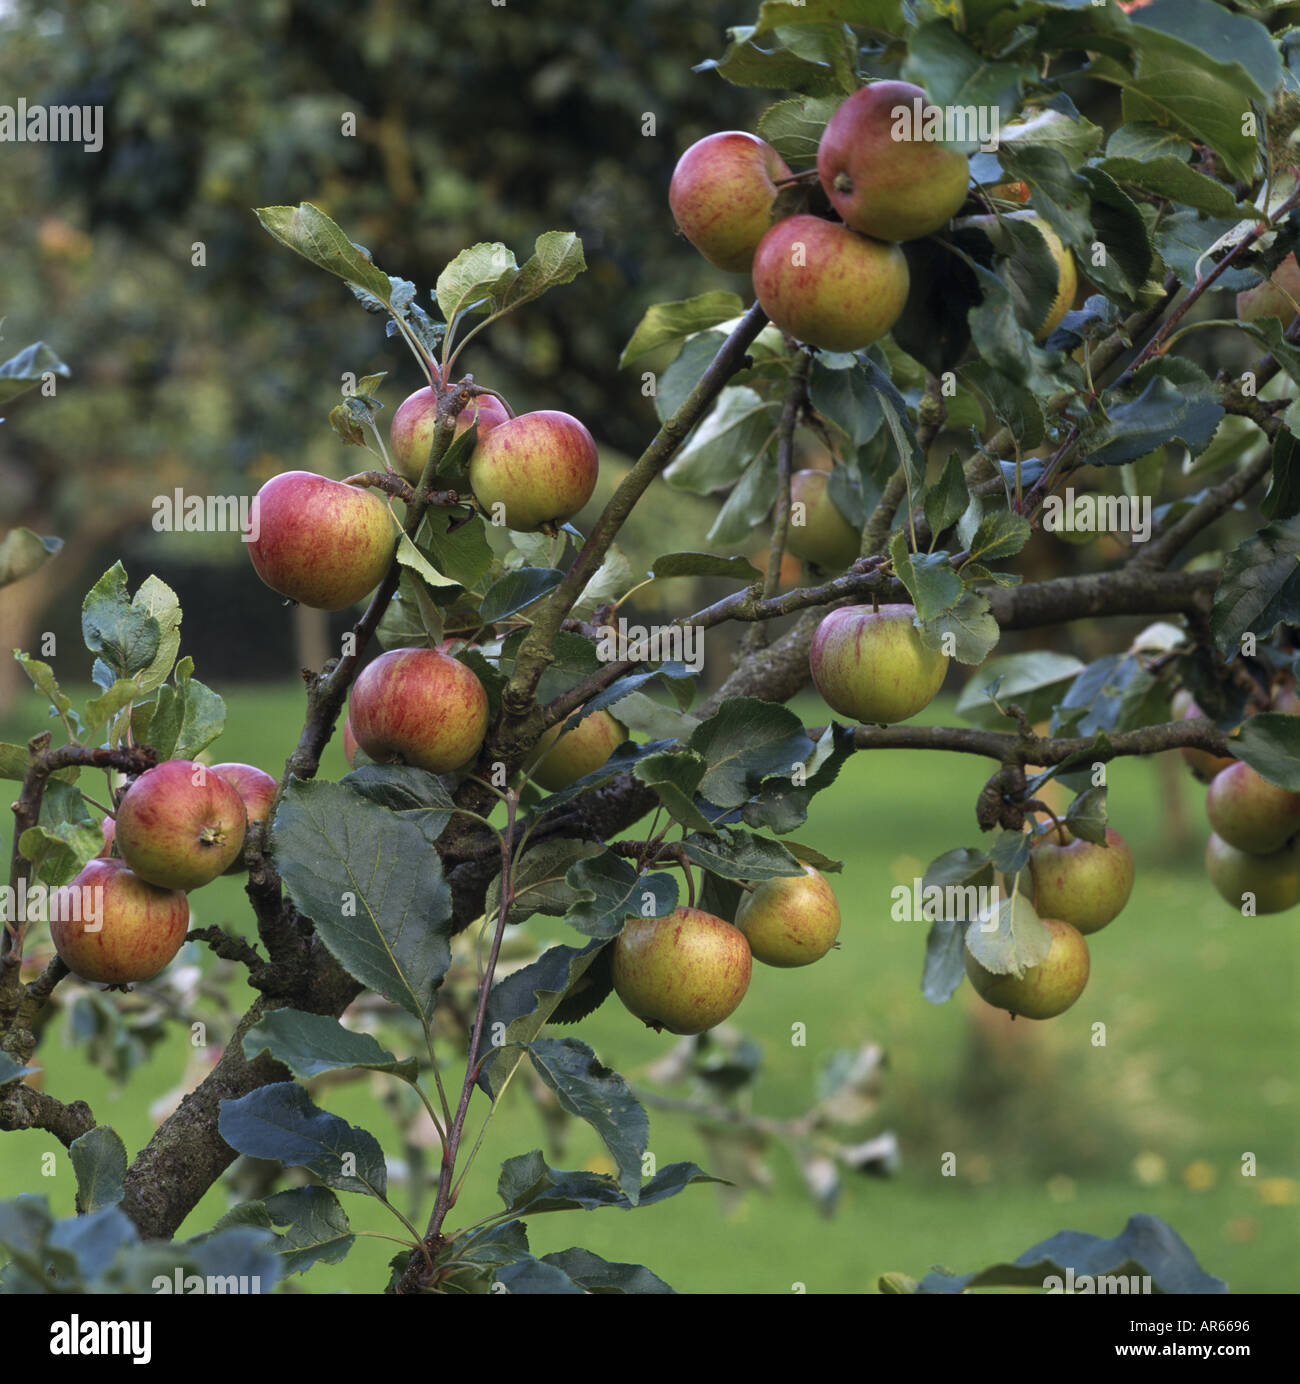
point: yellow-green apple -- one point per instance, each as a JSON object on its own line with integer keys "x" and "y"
{"x": 1245, "y": 810}
{"x": 1067, "y": 274}
{"x": 1277, "y": 296}
{"x": 180, "y": 825}
{"x": 882, "y": 173}
{"x": 110, "y": 926}
{"x": 411, "y": 433}
{"x": 790, "y": 921}
{"x": 827, "y": 285}
{"x": 721, "y": 196}
{"x": 684, "y": 972}
{"x": 257, "y": 788}
{"x": 320, "y": 542}
{"x": 871, "y": 664}
{"x": 1078, "y": 881}
{"x": 564, "y": 756}
{"x": 420, "y": 707}
{"x": 818, "y": 532}
{"x": 1042, "y": 991}
{"x": 1272, "y": 882}
{"x": 534, "y": 470}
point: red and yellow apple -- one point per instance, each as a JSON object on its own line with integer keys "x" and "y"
{"x": 180, "y": 825}
{"x": 411, "y": 433}
{"x": 790, "y": 921}
{"x": 536, "y": 470}
{"x": 563, "y": 756}
{"x": 872, "y": 666}
{"x": 110, "y": 926}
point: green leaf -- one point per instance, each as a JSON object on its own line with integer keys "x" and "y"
{"x": 947, "y": 499}
{"x": 1008, "y": 402}
{"x": 1283, "y": 498}
{"x": 516, "y": 590}
{"x": 540, "y": 879}
{"x": 1272, "y": 333}
{"x": 23, "y": 552}
{"x": 609, "y": 891}
{"x": 884, "y": 15}
{"x": 1147, "y": 1247}
{"x": 667, "y": 323}
{"x": 1033, "y": 680}
{"x": 413, "y": 559}
{"x": 1169, "y": 176}
{"x": 1142, "y": 141}
{"x": 675, "y": 779}
{"x": 520, "y": 1005}
{"x": 848, "y": 400}
{"x": 159, "y": 601}
{"x": 557, "y": 259}
{"x": 318, "y": 1230}
{"x": 308, "y": 231}
{"x": 309, "y": 1044}
{"x": 1184, "y": 239}
{"x": 1167, "y": 398}
{"x": 528, "y": 1186}
{"x": 475, "y": 276}
{"x": 99, "y": 1160}
{"x": 1086, "y": 815}
{"x": 1229, "y": 38}
{"x": 930, "y": 580}
{"x": 1124, "y": 263}
{"x": 596, "y": 1275}
{"x": 280, "y": 1123}
{"x": 945, "y": 960}
{"x": 59, "y": 852}
{"x": 123, "y": 634}
{"x": 741, "y": 855}
{"x": 1075, "y": 139}
{"x": 794, "y": 127}
{"x": 461, "y": 553}
{"x": 413, "y": 794}
{"x": 1011, "y": 940}
{"x": 818, "y": 60}
{"x": 723, "y": 443}
{"x": 1000, "y": 534}
{"x": 25, "y": 370}
{"x": 594, "y": 1093}
{"x": 955, "y": 74}
{"x": 705, "y": 565}
{"x": 745, "y": 741}
{"x": 1270, "y": 744}
{"x": 372, "y": 885}
{"x": 42, "y": 676}
{"x": 188, "y": 716}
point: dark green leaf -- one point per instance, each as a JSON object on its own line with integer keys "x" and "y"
{"x": 309, "y": 1044}
{"x": 666, "y": 323}
{"x": 1260, "y": 588}
{"x": 610, "y": 891}
{"x": 99, "y": 1160}
{"x": 596, "y": 1275}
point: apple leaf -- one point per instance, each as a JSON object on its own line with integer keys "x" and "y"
{"x": 23, "y": 552}
{"x": 318, "y": 1231}
{"x": 1283, "y": 498}
{"x": 1009, "y": 940}
{"x": 1147, "y": 1247}
{"x": 596, "y": 1275}
{"x": 1009, "y": 402}
{"x": 1168, "y": 398}
{"x": 667, "y": 323}
{"x": 158, "y": 600}
{"x": 818, "y": 59}
{"x": 411, "y": 793}
{"x": 705, "y": 565}
{"x": 1270, "y": 744}
{"x": 528, "y": 1186}
{"x": 188, "y": 716}
{"x": 125, "y": 635}
{"x": 1086, "y": 814}
{"x": 675, "y": 778}
{"x": 781, "y": 804}
{"x": 848, "y": 399}
{"x": 741, "y": 855}
{"x": 743, "y": 743}
{"x": 1032, "y": 680}
{"x": 592, "y": 1092}
{"x": 609, "y": 891}
{"x": 516, "y": 590}
{"x": 723, "y": 443}
{"x": 1260, "y": 588}
{"x": 540, "y": 883}
{"x": 411, "y": 557}
{"x": 521, "y": 1004}
{"x": 794, "y": 127}
{"x": 474, "y": 277}
{"x": 309, "y": 1044}
{"x": 280, "y": 1123}
{"x": 42, "y": 676}
{"x": 1168, "y": 175}
{"x": 308, "y": 231}
{"x": 557, "y": 259}
{"x": 372, "y": 885}
{"x": 99, "y": 1160}
{"x": 945, "y": 960}
{"x": 26, "y": 370}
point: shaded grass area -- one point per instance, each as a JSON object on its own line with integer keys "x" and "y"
{"x": 1175, "y": 1069}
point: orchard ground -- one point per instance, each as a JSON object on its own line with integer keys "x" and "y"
{"x": 1048, "y": 1131}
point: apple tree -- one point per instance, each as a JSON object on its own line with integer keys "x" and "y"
{"x": 982, "y": 239}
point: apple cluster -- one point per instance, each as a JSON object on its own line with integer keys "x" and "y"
{"x": 1079, "y": 888}
{"x": 689, "y": 970}
{"x": 177, "y": 827}
{"x": 838, "y": 284}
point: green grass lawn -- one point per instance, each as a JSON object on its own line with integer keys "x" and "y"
{"x": 1176, "y": 1065}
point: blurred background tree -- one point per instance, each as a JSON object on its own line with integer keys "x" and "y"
{"x": 204, "y": 357}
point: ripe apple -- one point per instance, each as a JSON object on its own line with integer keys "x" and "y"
{"x": 1274, "y": 880}
{"x": 1245, "y": 810}
{"x": 109, "y": 829}
{"x": 349, "y": 744}
{"x": 320, "y": 542}
{"x": 790, "y": 921}
{"x": 684, "y": 972}
{"x": 871, "y": 664}
{"x": 257, "y": 788}
{"x": 825, "y": 536}
{"x": 1045, "y": 990}
{"x": 721, "y": 196}
{"x": 1078, "y": 881}
{"x": 881, "y": 174}
{"x": 411, "y": 433}
{"x": 420, "y": 707}
{"x": 540, "y": 468}
{"x": 180, "y": 825}
{"x": 563, "y": 758}
{"x": 1277, "y": 296}
{"x": 828, "y": 286}
{"x": 137, "y": 927}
